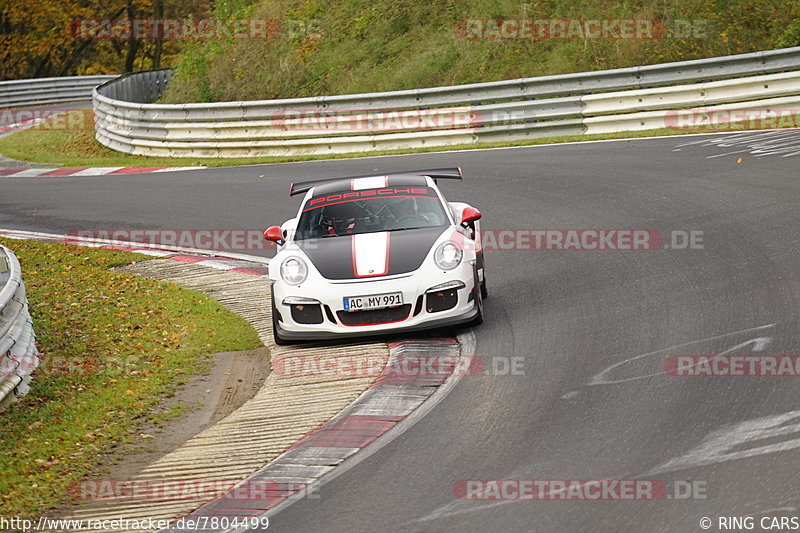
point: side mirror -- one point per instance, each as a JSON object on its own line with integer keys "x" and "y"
{"x": 274, "y": 234}
{"x": 469, "y": 215}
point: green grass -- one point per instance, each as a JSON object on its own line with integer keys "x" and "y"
{"x": 113, "y": 346}
{"x": 77, "y": 148}
{"x": 80, "y": 149}
{"x": 174, "y": 412}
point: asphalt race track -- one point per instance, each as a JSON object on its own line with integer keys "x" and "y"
{"x": 594, "y": 328}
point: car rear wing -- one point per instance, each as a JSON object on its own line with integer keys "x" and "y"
{"x": 435, "y": 174}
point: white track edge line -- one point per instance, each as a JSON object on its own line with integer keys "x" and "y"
{"x": 546, "y": 145}
{"x": 138, "y": 245}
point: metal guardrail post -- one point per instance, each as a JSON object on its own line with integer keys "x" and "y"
{"x": 499, "y": 111}
{"x": 41, "y": 91}
{"x": 18, "y": 354}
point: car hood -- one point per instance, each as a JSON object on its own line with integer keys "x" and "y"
{"x": 367, "y": 255}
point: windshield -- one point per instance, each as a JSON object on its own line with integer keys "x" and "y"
{"x": 369, "y": 211}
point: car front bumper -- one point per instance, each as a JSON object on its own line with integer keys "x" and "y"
{"x": 420, "y": 315}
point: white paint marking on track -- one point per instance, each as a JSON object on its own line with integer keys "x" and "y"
{"x": 30, "y": 173}
{"x": 90, "y": 172}
{"x": 782, "y": 142}
{"x": 176, "y": 169}
{"x": 459, "y": 507}
{"x": 96, "y": 171}
{"x": 154, "y": 253}
{"x": 521, "y": 147}
{"x": 219, "y": 265}
{"x": 737, "y": 441}
{"x": 601, "y": 379}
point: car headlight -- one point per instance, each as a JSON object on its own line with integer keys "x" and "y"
{"x": 448, "y": 256}
{"x": 294, "y": 271}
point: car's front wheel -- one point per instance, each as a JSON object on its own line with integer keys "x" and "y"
{"x": 478, "y": 291}
{"x": 482, "y": 263}
{"x": 278, "y": 340}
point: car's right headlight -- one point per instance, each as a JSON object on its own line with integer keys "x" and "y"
{"x": 294, "y": 271}
{"x": 448, "y": 255}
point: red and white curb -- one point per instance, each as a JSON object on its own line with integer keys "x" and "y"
{"x": 381, "y": 414}
{"x": 234, "y": 262}
{"x": 378, "y": 416}
{"x": 97, "y": 171}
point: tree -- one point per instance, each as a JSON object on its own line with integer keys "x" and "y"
{"x": 43, "y": 38}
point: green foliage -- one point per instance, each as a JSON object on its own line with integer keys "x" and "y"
{"x": 348, "y": 46}
{"x": 231, "y": 8}
{"x": 194, "y": 66}
{"x": 791, "y": 35}
{"x": 43, "y": 38}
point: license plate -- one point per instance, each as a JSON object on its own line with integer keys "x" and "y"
{"x": 376, "y": 301}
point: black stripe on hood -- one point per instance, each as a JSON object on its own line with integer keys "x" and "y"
{"x": 333, "y": 256}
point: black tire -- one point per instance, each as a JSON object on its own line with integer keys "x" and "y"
{"x": 482, "y": 264}
{"x": 278, "y": 340}
{"x": 478, "y": 320}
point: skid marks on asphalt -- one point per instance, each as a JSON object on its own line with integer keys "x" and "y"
{"x": 782, "y": 143}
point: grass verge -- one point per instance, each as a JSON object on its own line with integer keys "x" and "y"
{"x": 113, "y": 346}
{"x": 79, "y": 149}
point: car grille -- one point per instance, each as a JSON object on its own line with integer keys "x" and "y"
{"x": 374, "y": 316}
{"x": 441, "y": 300}
{"x": 307, "y": 314}
{"x": 418, "y": 307}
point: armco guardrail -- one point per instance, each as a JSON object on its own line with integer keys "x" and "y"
{"x": 129, "y": 121}
{"x": 18, "y": 354}
{"x": 40, "y": 91}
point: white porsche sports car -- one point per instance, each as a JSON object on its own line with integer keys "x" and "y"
{"x": 376, "y": 254}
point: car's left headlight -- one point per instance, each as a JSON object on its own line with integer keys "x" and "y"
{"x": 294, "y": 271}
{"x": 448, "y": 255}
